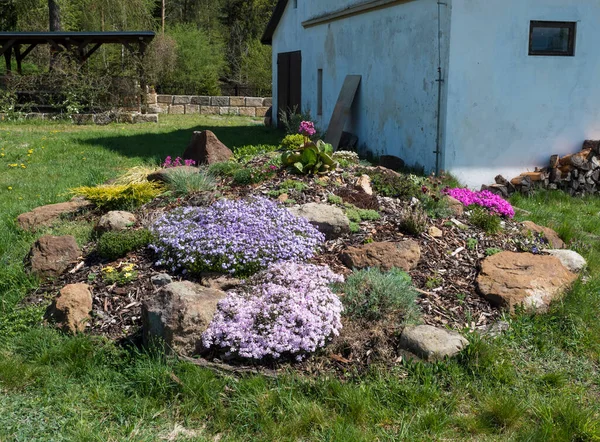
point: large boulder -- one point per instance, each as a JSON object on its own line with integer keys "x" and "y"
{"x": 431, "y": 343}
{"x": 570, "y": 259}
{"x": 178, "y": 315}
{"x": 116, "y": 220}
{"x": 45, "y": 215}
{"x": 71, "y": 308}
{"x": 330, "y": 220}
{"x": 547, "y": 233}
{"x": 205, "y": 148}
{"x": 51, "y": 255}
{"x": 511, "y": 280}
{"x": 404, "y": 255}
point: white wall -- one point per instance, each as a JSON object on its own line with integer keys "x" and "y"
{"x": 507, "y": 111}
{"x": 394, "y": 49}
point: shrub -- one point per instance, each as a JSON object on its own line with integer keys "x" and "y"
{"x": 372, "y": 295}
{"x": 413, "y": 221}
{"x": 240, "y": 237}
{"x": 182, "y": 181}
{"x": 115, "y": 245}
{"x": 394, "y": 185}
{"x": 246, "y": 153}
{"x": 486, "y": 220}
{"x": 292, "y": 142}
{"x": 135, "y": 175}
{"x": 287, "y": 310}
{"x": 120, "y": 196}
{"x": 485, "y": 199}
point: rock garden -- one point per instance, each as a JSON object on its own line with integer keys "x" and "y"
{"x": 272, "y": 257}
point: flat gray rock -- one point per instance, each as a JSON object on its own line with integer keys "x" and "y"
{"x": 116, "y": 220}
{"x": 330, "y": 220}
{"x": 570, "y": 259}
{"x": 432, "y": 343}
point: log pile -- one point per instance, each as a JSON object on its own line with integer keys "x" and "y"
{"x": 577, "y": 174}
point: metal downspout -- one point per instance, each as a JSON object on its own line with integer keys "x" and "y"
{"x": 440, "y": 82}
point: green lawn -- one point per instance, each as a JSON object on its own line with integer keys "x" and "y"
{"x": 539, "y": 381}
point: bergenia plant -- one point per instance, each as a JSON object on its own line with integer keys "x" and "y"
{"x": 237, "y": 237}
{"x": 307, "y": 128}
{"x": 485, "y": 198}
{"x": 177, "y": 162}
{"x": 287, "y": 310}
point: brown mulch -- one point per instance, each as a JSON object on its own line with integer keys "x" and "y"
{"x": 445, "y": 276}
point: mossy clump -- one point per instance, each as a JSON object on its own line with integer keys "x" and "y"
{"x": 115, "y": 245}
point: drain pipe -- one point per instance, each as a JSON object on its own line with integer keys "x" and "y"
{"x": 440, "y": 82}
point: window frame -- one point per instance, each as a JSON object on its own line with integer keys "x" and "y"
{"x": 570, "y": 25}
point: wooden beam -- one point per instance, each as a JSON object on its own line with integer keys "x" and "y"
{"x": 28, "y": 50}
{"x": 8, "y": 45}
{"x": 341, "y": 112}
{"x": 19, "y": 58}
{"x": 350, "y": 11}
{"x": 89, "y": 53}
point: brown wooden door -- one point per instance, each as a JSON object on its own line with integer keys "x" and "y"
{"x": 289, "y": 82}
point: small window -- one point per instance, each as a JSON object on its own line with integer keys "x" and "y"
{"x": 295, "y": 4}
{"x": 552, "y": 38}
{"x": 320, "y": 92}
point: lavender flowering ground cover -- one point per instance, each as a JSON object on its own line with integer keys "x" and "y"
{"x": 238, "y": 237}
{"x": 286, "y": 310}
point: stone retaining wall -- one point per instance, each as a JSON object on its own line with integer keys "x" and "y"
{"x": 195, "y": 104}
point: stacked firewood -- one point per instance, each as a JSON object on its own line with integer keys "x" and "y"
{"x": 577, "y": 174}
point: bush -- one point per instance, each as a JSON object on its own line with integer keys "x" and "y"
{"x": 486, "y": 220}
{"x": 373, "y": 295}
{"x": 346, "y": 157}
{"x": 285, "y": 311}
{"x": 120, "y": 196}
{"x": 182, "y": 181}
{"x": 239, "y": 237}
{"x": 292, "y": 142}
{"x": 394, "y": 185}
{"x": 486, "y": 199}
{"x": 413, "y": 221}
{"x": 291, "y": 120}
{"x": 115, "y": 245}
{"x": 135, "y": 175}
{"x": 246, "y": 153}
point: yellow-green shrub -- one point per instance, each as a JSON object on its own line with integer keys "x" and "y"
{"x": 293, "y": 142}
{"x": 136, "y": 175}
{"x": 120, "y": 196}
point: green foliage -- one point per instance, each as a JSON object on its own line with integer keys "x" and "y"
{"x": 293, "y": 141}
{"x": 312, "y": 158}
{"x": 120, "y": 196}
{"x": 288, "y": 186}
{"x": 413, "y": 221}
{"x": 394, "y": 185}
{"x": 485, "y": 220}
{"x": 434, "y": 282}
{"x": 334, "y": 199}
{"x": 182, "y": 181}
{"x": 122, "y": 275}
{"x": 246, "y": 153}
{"x": 492, "y": 251}
{"x": 354, "y": 227}
{"x": 224, "y": 169}
{"x": 373, "y": 295}
{"x": 472, "y": 243}
{"x": 115, "y": 245}
{"x": 357, "y": 215}
{"x": 291, "y": 119}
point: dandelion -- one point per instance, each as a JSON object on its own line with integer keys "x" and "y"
{"x": 13, "y": 165}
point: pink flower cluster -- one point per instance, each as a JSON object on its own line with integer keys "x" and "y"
{"x": 307, "y": 128}
{"x": 485, "y": 198}
{"x": 169, "y": 162}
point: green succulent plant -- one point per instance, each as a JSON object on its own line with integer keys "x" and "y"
{"x": 310, "y": 159}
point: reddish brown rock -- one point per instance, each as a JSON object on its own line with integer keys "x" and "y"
{"x": 71, "y": 308}
{"x": 205, "y": 148}
{"x": 45, "y": 215}
{"x": 455, "y": 206}
{"x": 50, "y": 256}
{"x": 404, "y": 255}
{"x": 510, "y": 280}
{"x": 550, "y": 235}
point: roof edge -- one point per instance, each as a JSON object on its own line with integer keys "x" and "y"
{"x": 267, "y": 37}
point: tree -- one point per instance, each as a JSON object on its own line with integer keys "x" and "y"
{"x": 54, "y": 13}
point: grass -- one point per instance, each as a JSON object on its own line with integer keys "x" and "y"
{"x": 537, "y": 382}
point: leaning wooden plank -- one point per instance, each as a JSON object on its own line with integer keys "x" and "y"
{"x": 342, "y": 110}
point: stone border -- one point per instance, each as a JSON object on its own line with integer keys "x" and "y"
{"x": 207, "y": 105}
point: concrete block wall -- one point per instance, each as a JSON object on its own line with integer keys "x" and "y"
{"x": 204, "y": 105}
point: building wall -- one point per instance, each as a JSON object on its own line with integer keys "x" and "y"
{"x": 396, "y": 51}
{"x": 507, "y": 112}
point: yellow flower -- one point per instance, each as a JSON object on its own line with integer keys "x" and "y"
{"x": 129, "y": 268}
{"x": 30, "y": 151}
{"x": 13, "y": 165}
{"x": 9, "y": 187}
{"x": 23, "y": 166}
{"x": 128, "y": 275}
{"x": 108, "y": 269}
{"x": 1, "y": 154}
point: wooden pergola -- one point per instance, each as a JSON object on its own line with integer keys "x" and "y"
{"x": 79, "y": 44}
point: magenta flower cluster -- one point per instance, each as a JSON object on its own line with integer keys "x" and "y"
{"x": 484, "y": 198}
{"x": 307, "y": 128}
{"x": 287, "y": 310}
{"x": 169, "y": 162}
{"x": 237, "y": 237}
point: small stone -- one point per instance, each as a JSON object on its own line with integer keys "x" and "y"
{"x": 550, "y": 235}
{"x": 364, "y": 183}
{"x": 570, "y": 259}
{"x": 431, "y": 343}
{"x": 50, "y": 256}
{"x": 330, "y": 220}
{"x": 116, "y": 221}
{"x": 161, "y": 280}
{"x": 435, "y": 232}
{"x": 71, "y": 308}
{"x": 205, "y": 148}
{"x": 404, "y": 255}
